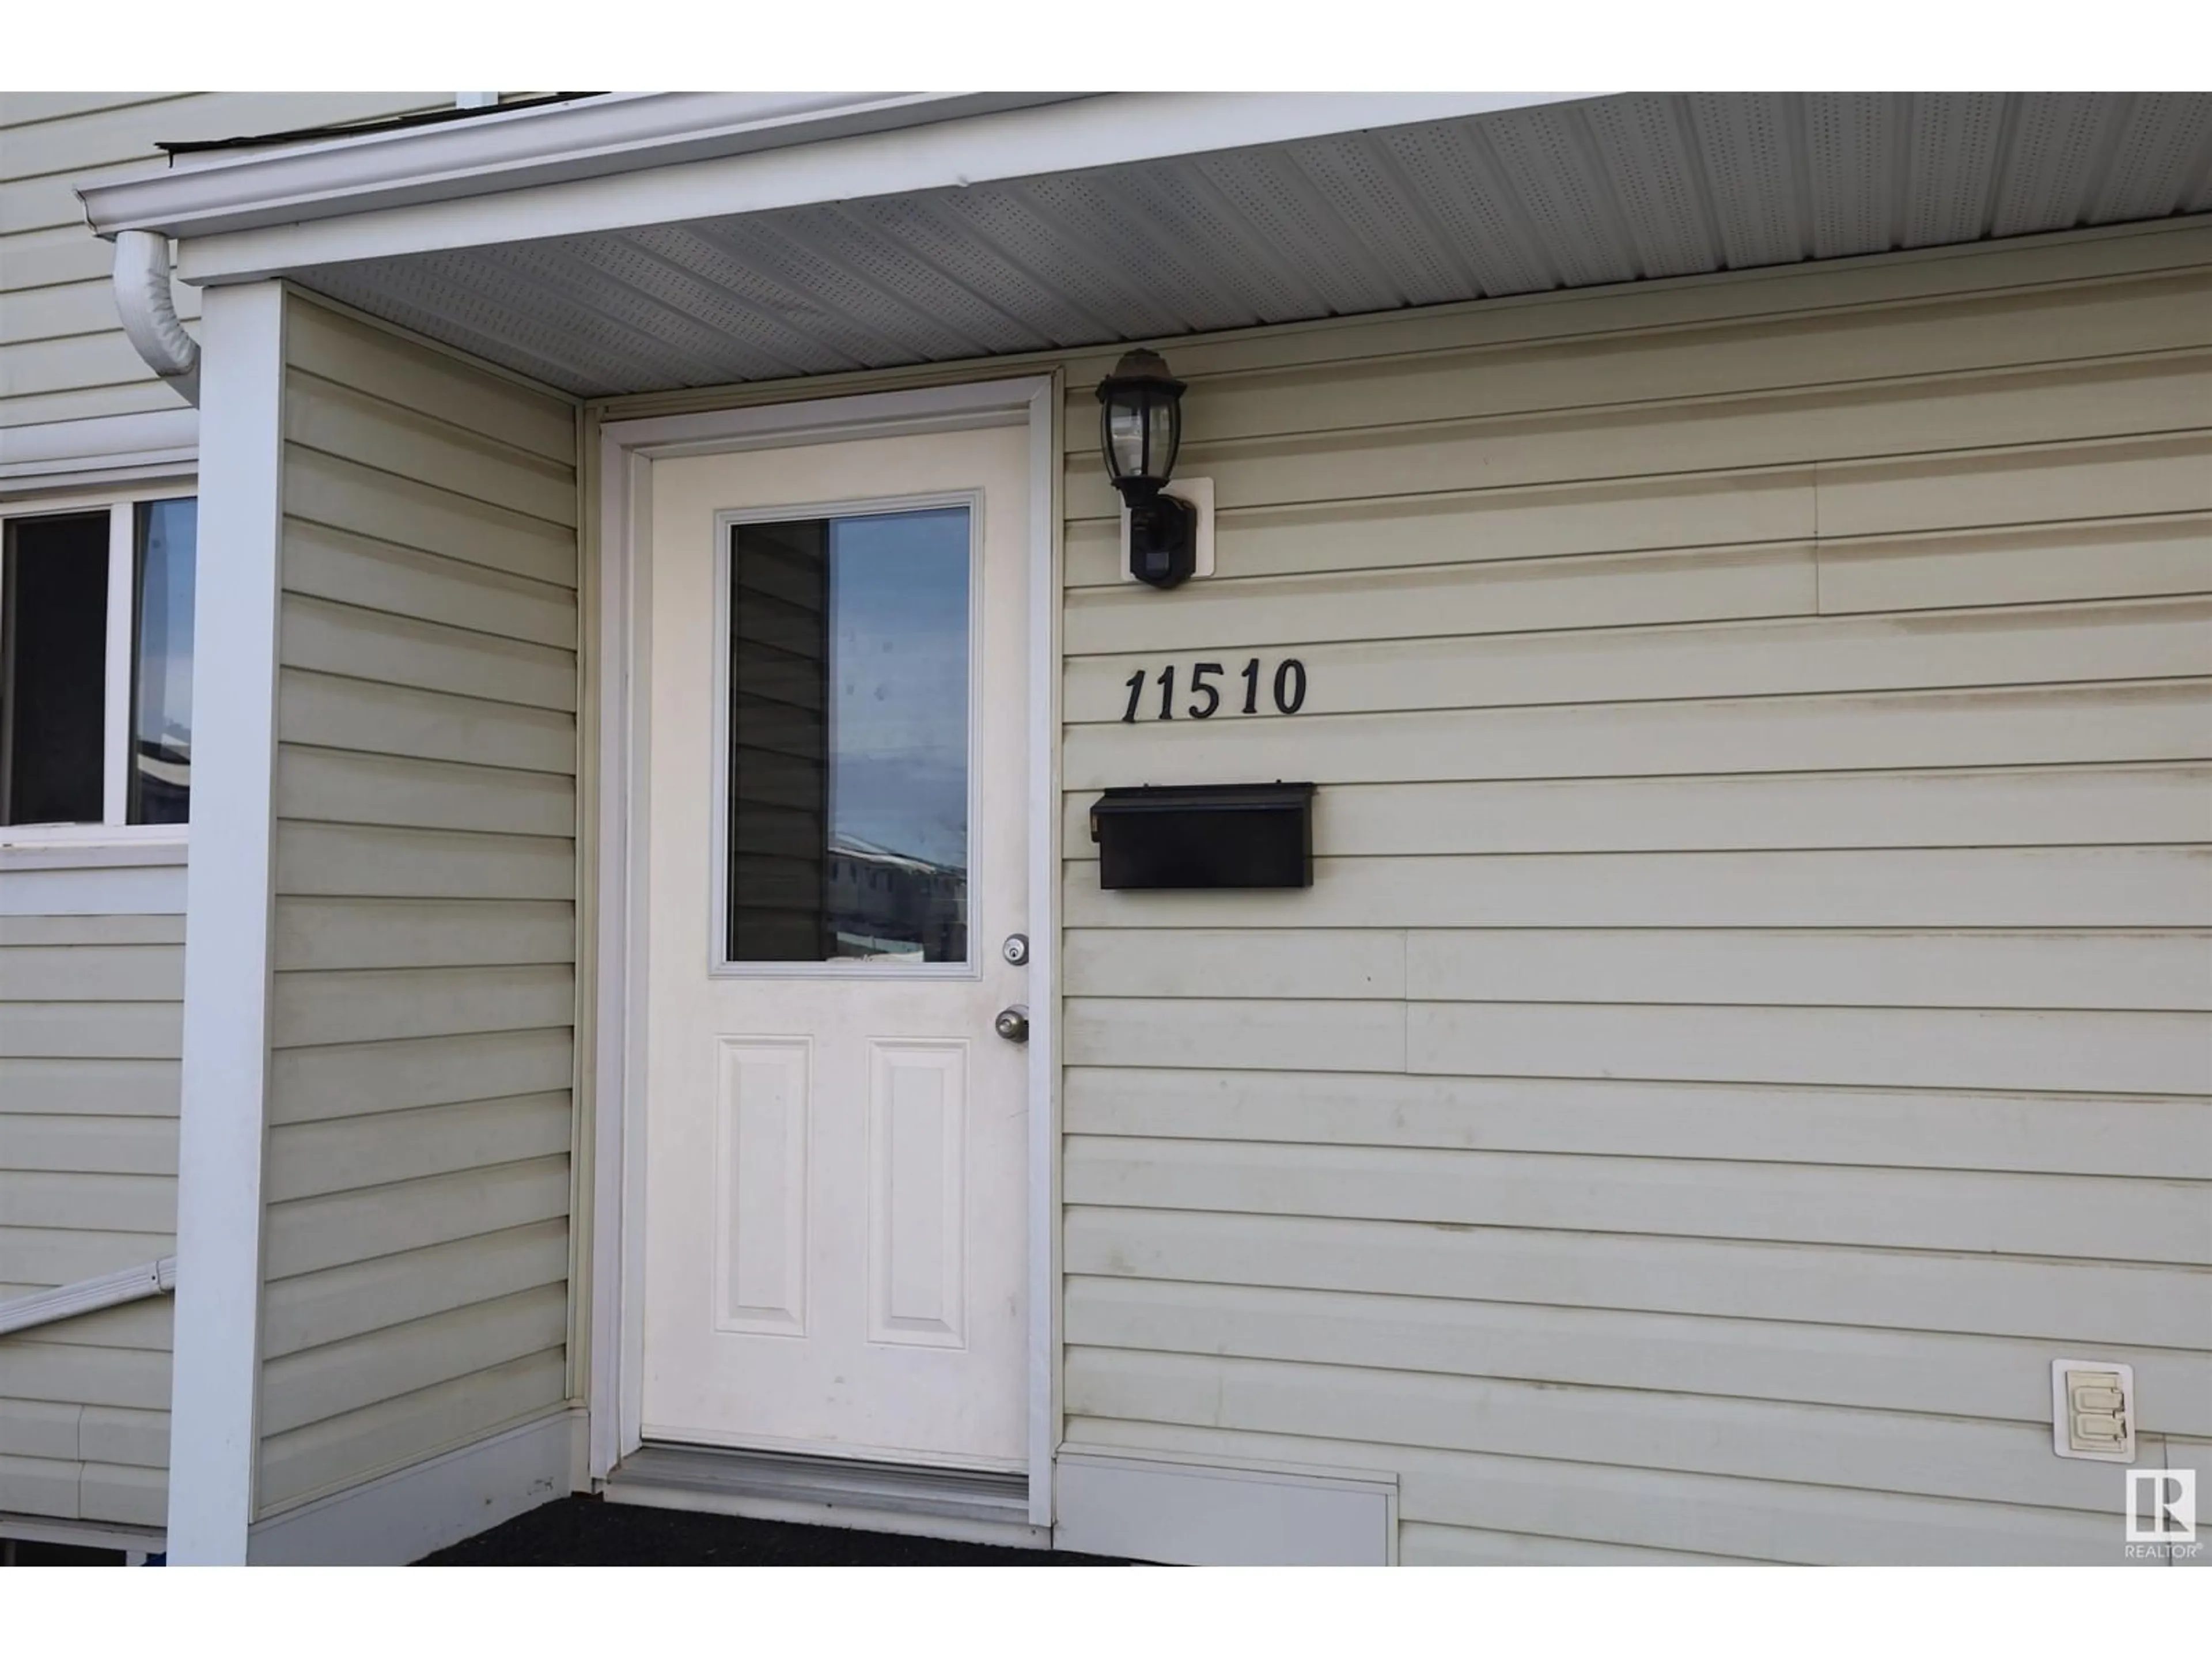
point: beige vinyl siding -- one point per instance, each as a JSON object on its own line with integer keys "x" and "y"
{"x": 63, "y": 355}
{"x": 417, "y": 1177}
{"x": 1751, "y": 1013}
{"x": 90, "y": 1019}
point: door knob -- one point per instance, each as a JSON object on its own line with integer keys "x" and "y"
{"x": 1014, "y": 1023}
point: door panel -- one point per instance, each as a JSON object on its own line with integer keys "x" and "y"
{"x": 917, "y": 1166}
{"x": 834, "y": 1137}
{"x": 760, "y": 1185}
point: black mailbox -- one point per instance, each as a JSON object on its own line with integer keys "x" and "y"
{"x": 1205, "y": 834}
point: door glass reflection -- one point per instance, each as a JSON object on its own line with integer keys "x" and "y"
{"x": 848, "y": 739}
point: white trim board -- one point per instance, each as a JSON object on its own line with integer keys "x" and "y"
{"x": 1187, "y": 1513}
{"x": 401, "y": 1517}
{"x": 626, "y": 451}
{"x": 93, "y": 870}
{"x": 93, "y": 847}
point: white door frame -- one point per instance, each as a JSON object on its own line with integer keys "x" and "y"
{"x": 627, "y": 452}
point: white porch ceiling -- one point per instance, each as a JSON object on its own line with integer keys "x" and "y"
{"x": 1561, "y": 195}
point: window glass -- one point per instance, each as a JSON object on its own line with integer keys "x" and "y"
{"x": 53, "y": 678}
{"x": 161, "y": 669}
{"x": 848, "y": 739}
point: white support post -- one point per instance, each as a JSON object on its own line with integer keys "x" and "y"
{"x": 214, "y": 1393}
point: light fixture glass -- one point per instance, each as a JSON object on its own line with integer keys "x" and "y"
{"x": 1140, "y": 424}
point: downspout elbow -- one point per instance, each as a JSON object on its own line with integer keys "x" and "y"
{"x": 142, "y": 295}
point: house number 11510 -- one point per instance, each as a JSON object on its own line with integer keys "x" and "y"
{"x": 1288, "y": 690}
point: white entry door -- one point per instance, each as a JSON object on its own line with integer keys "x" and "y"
{"x": 837, "y": 795}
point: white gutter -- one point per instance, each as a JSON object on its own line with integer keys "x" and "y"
{"x": 562, "y": 170}
{"x": 150, "y": 311}
{"x": 88, "y": 1295}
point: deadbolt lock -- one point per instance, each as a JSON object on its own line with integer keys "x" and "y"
{"x": 1015, "y": 950}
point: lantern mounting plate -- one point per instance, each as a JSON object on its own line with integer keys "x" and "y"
{"x": 1198, "y": 493}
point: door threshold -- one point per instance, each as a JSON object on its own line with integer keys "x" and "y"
{"x": 973, "y": 1505}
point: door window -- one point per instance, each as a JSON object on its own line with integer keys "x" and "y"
{"x": 846, "y": 821}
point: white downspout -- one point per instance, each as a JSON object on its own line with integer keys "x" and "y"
{"x": 150, "y": 311}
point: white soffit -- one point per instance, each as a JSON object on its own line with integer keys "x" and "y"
{"x": 1515, "y": 200}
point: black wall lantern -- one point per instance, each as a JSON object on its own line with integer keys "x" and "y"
{"x": 1139, "y": 429}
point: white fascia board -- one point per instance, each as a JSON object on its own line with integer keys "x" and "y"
{"x": 1105, "y": 131}
{"x": 210, "y": 191}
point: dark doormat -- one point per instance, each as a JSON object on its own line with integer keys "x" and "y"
{"x": 585, "y": 1532}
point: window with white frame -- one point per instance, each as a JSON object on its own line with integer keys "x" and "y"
{"x": 96, "y": 663}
